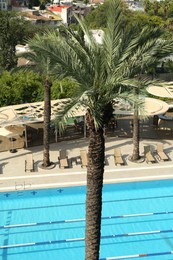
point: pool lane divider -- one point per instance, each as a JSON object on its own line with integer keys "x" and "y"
{"x": 83, "y": 219}
{"x": 137, "y": 256}
{"x": 83, "y": 238}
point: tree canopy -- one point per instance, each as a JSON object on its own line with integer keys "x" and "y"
{"x": 97, "y": 17}
{"x": 163, "y": 8}
{"x": 14, "y": 30}
{"x": 19, "y": 87}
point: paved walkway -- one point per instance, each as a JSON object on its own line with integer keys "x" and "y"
{"x": 13, "y": 175}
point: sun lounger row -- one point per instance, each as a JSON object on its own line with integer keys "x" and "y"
{"x": 148, "y": 154}
{"x": 64, "y": 161}
{"x": 160, "y": 154}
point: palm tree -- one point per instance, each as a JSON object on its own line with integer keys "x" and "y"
{"x": 150, "y": 55}
{"x": 102, "y": 72}
{"x": 138, "y": 105}
{"x": 136, "y": 136}
{"x": 41, "y": 64}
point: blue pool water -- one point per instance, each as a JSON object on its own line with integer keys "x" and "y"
{"x": 54, "y": 205}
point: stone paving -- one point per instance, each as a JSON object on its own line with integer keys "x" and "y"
{"x": 13, "y": 176}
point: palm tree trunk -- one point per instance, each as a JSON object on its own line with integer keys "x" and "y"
{"x": 96, "y": 150}
{"x": 136, "y": 136}
{"x": 46, "y": 127}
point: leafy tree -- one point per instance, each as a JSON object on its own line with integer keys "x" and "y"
{"x": 97, "y": 18}
{"x": 63, "y": 89}
{"x": 11, "y": 33}
{"x": 142, "y": 19}
{"x": 14, "y": 30}
{"x": 100, "y": 72}
{"x": 156, "y": 7}
{"x": 19, "y": 88}
{"x": 163, "y": 9}
{"x": 170, "y": 9}
{"x": 147, "y": 5}
{"x": 168, "y": 66}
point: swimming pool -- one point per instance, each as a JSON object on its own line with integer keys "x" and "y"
{"x": 30, "y": 219}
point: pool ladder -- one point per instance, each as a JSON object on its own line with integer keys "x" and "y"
{"x": 22, "y": 185}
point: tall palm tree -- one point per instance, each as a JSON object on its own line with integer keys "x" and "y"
{"x": 148, "y": 61}
{"x": 103, "y": 72}
{"x": 41, "y": 64}
{"x": 138, "y": 107}
{"x": 138, "y": 113}
{"x": 136, "y": 135}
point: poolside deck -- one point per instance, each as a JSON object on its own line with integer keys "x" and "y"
{"x": 13, "y": 176}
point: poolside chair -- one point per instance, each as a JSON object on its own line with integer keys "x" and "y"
{"x": 29, "y": 163}
{"x": 84, "y": 158}
{"x": 161, "y": 154}
{"x": 63, "y": 159}
{"x": 118, "y": 157}
{"x": 149, "y": 155}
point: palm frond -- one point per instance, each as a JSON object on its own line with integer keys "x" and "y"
{"x": 113, "y": 34}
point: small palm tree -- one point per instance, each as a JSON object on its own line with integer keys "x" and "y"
{"x": 41, "y": 64}
{"x": 103, "y": 72}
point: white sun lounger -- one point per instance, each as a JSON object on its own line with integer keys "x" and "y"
{"x": 29, "y": 163}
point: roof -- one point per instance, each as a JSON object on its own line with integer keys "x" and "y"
{"x": 44, "y": 16}
{"x": 57, "y": 8}
{"x": 31, "y": 112}
{"x": 152, "y": 107}
{"x": 34, "y": 16}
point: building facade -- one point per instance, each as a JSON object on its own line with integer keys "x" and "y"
{"x": 5, "y": 5}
